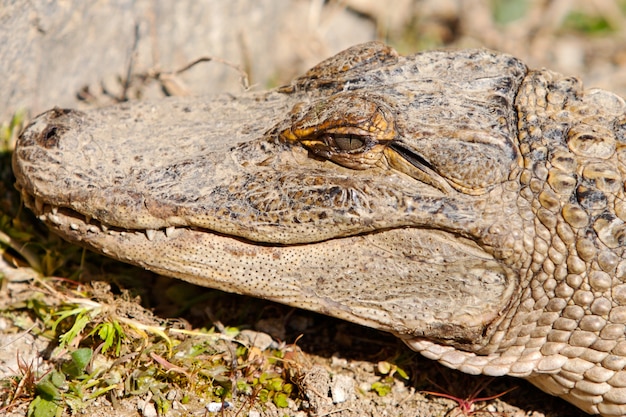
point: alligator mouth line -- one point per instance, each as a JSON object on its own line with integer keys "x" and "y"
{"x": 80, "y": 224}
{"x": 73, "y": 224}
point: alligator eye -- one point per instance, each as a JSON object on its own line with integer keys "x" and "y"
{"x": 348, "y": 128}
{"x": 349, "y": 142}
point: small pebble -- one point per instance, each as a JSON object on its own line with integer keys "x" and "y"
{"x": 172, "y": 395}
{"x": 257, "y": 339}
{"x": 214, "y": 407}
{"x": 338, "y": 362}
{"x": 342, "y": 388}
{"x": 149, "y": 410}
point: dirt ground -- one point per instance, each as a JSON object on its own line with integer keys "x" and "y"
{"x": 338, "y": 364}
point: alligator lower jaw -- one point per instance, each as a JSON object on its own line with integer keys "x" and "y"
{"x": 411, "y": 282}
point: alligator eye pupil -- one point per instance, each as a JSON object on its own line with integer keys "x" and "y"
{"x": 349, "y": 142}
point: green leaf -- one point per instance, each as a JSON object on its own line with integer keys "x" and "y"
{"x": 57, "y": 378}
{"x": 264, "y": 395}
{"x": 110, "y": 333}
{"x": 381, "y": 389}
{"x": 82, "y": 319}
{"x": 241, "y": 351}
{"x": 80, "y": 360}
{"x": 41, "y": 407}
{"x": 230, "y": 331}
{"x": 281, "y": 400}
{"x": 121, "y": 335}
{"x": 402, "y": 373}
{"x": 220, "y": 391}
{"x": 47, "y": 390}
{"x": 243, "y": 386}
{"x": 106, "y": 333}
{"x": 275, "y": 384}
{"x": 266, "y": 377}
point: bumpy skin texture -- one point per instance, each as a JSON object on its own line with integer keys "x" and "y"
{"x": 471, "y": 206}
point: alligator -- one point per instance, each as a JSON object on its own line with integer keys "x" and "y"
{"x": 467, "y": 204}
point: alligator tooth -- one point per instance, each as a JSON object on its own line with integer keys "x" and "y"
{"x": 73, "y": 226}
{"x": 54, "y": 219}
{"x": 38, "y": 205}
{"x": 104, "y": 227}
{"x": 54, "y": 210}
{"x": 150, "y": 234}
{"x": 169, "y": 231}
{"x": 93, "y": 229}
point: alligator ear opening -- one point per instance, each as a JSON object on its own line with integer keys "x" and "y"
{"x": 414, "y": 165}
{"x": 469, "y": 161}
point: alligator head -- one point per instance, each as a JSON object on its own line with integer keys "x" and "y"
{"x": 417, "y": 195}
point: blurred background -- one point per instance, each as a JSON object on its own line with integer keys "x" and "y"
{"x": 76, "y": 53}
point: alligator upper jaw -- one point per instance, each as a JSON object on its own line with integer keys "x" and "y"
{"x": 232, "y": 180}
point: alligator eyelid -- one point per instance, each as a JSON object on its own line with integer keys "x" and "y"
{"x": 415, "y": 159}
{"x": 426, "y": 172}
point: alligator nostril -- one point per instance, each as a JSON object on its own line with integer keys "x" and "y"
{"x": 56, "y": 112}
{"x": 49, "y": 138}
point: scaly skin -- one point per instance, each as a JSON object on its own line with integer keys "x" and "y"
{"x": 470, "y": 206}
